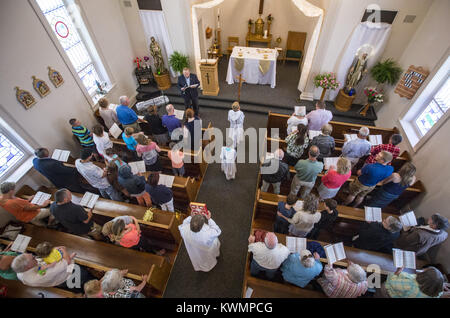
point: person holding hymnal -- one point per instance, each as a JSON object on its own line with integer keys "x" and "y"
{"x": 378, "y": 236}
{"x": 300, "y": 269}
{"x": 424, "y": 236}
{"x": 188, "y": 84}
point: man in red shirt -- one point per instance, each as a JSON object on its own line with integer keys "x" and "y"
{"x": 391, "y": 147}
{"x": 23, "y": 210}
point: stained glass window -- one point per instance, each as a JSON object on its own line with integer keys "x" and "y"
{"x": 64, "y": 21}
{"x": 435, "y": 110}
{"x": 9, "y": 155}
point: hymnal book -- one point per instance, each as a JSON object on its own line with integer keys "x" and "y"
{"x": 375, "y": 140}
{"x": 193, "y": 86}
{"x": 408, "y": 219}
{"x": 166, "y": 180}
{"x": 298, "y": 205}
{"x": 137, "y": 167}
{"x": 89, "y": 199}
{"x": 350, "y": 137}
{"x": 335, "y": 252}
{"x": 179, "y": 114}
{"x": 269, "y": 156}
{"x": 299, "y": 109}
{"x": 199, "y": 208}
{"x": 113, "y": 106}
{"x": 295, "y": 244}
{"x": 141, "y": 117}
{"x": 373, "y": 214}
{"x": 115, "y": 131}
{"x": 61, "y": 155}
{"x": 314, "y": 133}
{"x": 40, "y": 198}
{"x": 249, "y": 292}
{"x": 406, "y": 259}
{"x": 21, "y": 243}
{"x": 330, "y": 161}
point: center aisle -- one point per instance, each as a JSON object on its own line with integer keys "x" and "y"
{"x": 231, "y": 206}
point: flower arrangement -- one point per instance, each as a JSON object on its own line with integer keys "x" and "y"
{"x": 373, "y": 95}
{"x": 326, "y": 81}
{"x": 146, "y": 60}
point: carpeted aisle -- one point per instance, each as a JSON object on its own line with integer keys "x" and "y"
{"x": 231, "y": 205}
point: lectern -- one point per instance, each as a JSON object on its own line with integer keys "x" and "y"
{"x": 210, "y": 77}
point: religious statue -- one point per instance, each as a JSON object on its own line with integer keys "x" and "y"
{"x": 155, "y": 51}
{"x": 55, "y": 77}
{"x": 356, "y": 71}
{"x": 25, "y": 97}
{"x": 40, "y": 86}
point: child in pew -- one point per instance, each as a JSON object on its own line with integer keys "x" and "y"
{"x": 327, "y": 219}
{"x": 176, "y": 156}
{"x": 128, "y": 137}
{"x": 135, "y": 185}
{"x": 102, "y": 141}
{"x": 112, "y": 174}
{"x": 111, "y": 153}
{"x": 48, "y": 255}
{"x": 148, "y": 151}
{"x": 287, "y": 209}
{"x": 160, "y": 194}
{"x": 125, "y": 231}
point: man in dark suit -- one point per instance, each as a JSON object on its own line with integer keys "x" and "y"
{"x": 60, "y": 175}
{"x": 188, "y": 84}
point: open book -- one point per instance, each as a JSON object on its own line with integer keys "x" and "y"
{"x": 113, "y": 106}
{"x": 375, "y": 140}
{"x": 373, "y": 214}
{"x": 137, "y": 167}
{"x": 295, "y": 244}
{"x": 115, "y": 131}
{"x": 330, "y": 161}
{"x": 314, "y": 133}
{"x": 166, "y": 180}
{"x": 89, "y": 199}
{"x": 40, "y": 198}
{"x": 21, "y": 243}
{"x": 179, "y": 114}
{"x": 61, "y": 155}
{"x": 299, "y": 109}
{"x": 403, "y": 258}
{"x": 408, "y": 219}
{"x": 350, "y": 137}
{"x": 335, "y": 252}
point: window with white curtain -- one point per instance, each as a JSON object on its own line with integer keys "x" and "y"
{"x": 67, "y": 24}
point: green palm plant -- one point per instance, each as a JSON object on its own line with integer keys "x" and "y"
{"x": 178, "y": 61}
{"x": 387, "y": 71}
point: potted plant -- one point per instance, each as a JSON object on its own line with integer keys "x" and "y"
{"x": 373, "y": 96}
{"x": 178, "y": 62}
{"x": 326, "y": 81}
{"x": 387, "y": 71}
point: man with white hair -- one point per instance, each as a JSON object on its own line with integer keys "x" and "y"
{"x": 344, "y": 283}
{"x": 274, "y": 171}
{"x": 267, "y": 256}
{"x": 368, "y": 177}
{"x": 114, "y": 285}
{"x": 201, "y": 238}
{"x": 27, "y": 269}
{"x": 378, "y": 236}
{"x": 127, "y": 116}
{"x": 357, "y": 148}
{"x": 170, "y": 121}
{"x": 300, "y": 269}
{"x": 298, "y": 117}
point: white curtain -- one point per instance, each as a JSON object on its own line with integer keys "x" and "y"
{"x": 155, "y": 25}
{"x": 310, "y": 11}
{"x": 369, "y": 36}
{"x": 197, "y": 52}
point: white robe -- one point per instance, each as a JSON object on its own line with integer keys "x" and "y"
{"x": 228, "y": 158}
{"x": 236, "y": 132}
{"x": 203, "y": 247}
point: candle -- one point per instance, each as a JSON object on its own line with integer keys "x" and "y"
{"x": 265, "y": 33}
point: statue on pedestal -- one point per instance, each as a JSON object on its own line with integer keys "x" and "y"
{"x": 155, "y": 51}
{"x": 356, "y": 71}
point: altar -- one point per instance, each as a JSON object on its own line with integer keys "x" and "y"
{"x": 257, "y": 65}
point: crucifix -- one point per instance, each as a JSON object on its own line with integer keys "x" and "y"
{"x": 241, "y": 80}
{"x": 207, "y": 77}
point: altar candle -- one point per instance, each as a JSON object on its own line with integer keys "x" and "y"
{"x": 265, "y": 33}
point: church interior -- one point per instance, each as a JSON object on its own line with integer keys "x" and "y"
{"x": 381, "y": 66}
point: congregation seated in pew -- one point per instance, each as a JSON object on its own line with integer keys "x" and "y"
{"x": 324, "y": 142}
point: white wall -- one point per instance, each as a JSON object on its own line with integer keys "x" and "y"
{"x": 27, "y": 50}
{"x": 429, "y": 44}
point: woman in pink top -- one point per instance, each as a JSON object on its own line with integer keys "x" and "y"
{"x": 335, "y": 178}
{"x": 148, "y": 150}
{"x": 176, "y": 156}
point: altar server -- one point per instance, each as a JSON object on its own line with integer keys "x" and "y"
{"x": 228, "y": 159}
{"x": 236, "y": 119}
{"x": 201, "y": 238}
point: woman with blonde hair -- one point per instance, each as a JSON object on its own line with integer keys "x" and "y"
{"x": 334, "y": 179}
{"x": 236, "y": 119}
{"x": 393, "y": 186}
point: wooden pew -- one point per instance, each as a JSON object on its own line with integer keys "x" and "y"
{"x": 15, "y": 289}
{"x": 103, "y": 256}
{"x": 279, "y": 121}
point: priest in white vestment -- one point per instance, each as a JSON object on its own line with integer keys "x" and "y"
{"x": 228, "y": 161}
{"x": 200, "y": 236}
{"x": 236, "y": 119}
